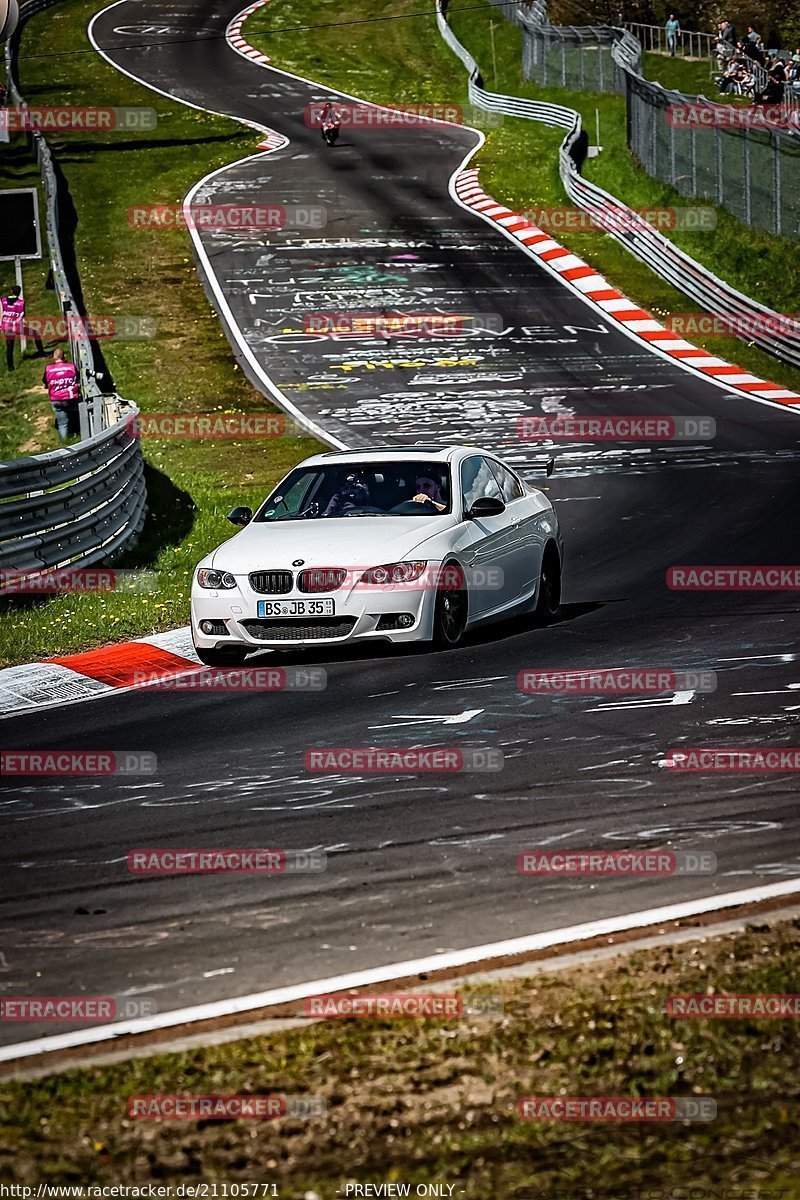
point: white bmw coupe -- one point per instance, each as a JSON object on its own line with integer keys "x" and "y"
{"x": 410, "y": 543}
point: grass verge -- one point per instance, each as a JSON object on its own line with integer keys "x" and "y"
{"x": 403, "y": 60}
{"x": 422, "y": 1101}
{"x": 186, "y": 368}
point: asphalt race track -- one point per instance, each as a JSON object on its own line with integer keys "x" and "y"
{"x": 419, "y": 864}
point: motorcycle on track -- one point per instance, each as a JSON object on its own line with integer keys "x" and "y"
{"x": 330, "y": 132}
{"x": 330, "y": 124}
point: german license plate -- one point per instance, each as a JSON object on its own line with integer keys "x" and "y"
{"x": 296, "y": 608}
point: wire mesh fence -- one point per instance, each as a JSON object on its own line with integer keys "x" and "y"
{"x": 746, "y": 159}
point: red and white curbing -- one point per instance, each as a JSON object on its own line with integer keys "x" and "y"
{"x": 575, "y": 273}
{"x": 76, "y": 677}
{"x": 233, "y": 34}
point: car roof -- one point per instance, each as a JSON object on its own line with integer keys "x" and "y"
{"x": 422, "y": 450}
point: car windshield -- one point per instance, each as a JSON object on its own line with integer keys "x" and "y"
{"x": 374, "y": 489}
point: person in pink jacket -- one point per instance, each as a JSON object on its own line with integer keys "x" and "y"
{"x": 61, "y": 380}
{"x": 12, "y": 322}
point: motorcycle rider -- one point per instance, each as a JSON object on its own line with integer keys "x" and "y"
{"x": 331, "y": 118}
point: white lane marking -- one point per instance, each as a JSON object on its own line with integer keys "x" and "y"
{"x": 401, "y": 970}
{"x": 454, "y": 719}
{"x": 753, "y": 657}
{"x": 219, "y": 971}
{"x": 615, "y": 762}
{"x": 638, "y": 702}
{"x": 467, "y": 841}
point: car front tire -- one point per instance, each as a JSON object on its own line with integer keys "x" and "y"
{"x": 548, "y": 601}
{"x": 452, "y": 608}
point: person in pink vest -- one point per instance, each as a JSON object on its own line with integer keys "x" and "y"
{"x": 61, "y": 380}
{"x": 12, "y": 321}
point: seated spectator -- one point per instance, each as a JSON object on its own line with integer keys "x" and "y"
{"x": 772, "y": 93}
{"x": 738, "y": 78}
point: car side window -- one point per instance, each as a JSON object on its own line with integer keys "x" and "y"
{"x": 477, "y": 480}
{"x": 510, "y": 486}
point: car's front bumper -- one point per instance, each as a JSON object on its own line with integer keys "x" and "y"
{"x": 357, "y": 616}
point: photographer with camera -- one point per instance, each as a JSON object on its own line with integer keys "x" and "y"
{"x": 353, "y": 493}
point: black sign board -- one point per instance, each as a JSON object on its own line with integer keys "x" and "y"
{"x": 19, "y": 224}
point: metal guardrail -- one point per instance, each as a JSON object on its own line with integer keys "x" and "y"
{"x": 689, "y": 42}
{"x": 91, "y": 407}
{"x": 628, "y": 227}
{"x": 80, "y": 504}
{"x": 742, "y": 158}
{"x": 75, "y": 506}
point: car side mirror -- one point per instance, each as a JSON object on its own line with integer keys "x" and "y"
{"x": 240, "y": 516}
{"x": 485, "y": 506}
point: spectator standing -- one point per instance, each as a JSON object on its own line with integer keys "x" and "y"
{"x": 61, "y": 380}
{"x": 673, "y": 28}
{"x": 726, "y": 42}
{"x": 13, "y": 314}
{"x": 12, "y": 323}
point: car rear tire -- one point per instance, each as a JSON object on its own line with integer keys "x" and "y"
{"x": 548, "y": 602}
{"x": 227, "y": 656}
{"x": 452, "y": 607}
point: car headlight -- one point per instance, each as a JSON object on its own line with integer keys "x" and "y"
{"x": 218, "y": 580}
{"x": 402, "y": 572}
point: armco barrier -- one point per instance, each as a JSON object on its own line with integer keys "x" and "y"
{"x": 75, "y": 506}
{"x": 80, "y": 504}
{"x": 641, "y": 239}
